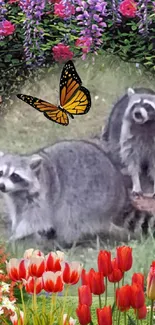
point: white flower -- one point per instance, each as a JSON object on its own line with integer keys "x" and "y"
{"x": 1, "y": 271}
{"x": 5, "y": 287}
{"x": 8, "y": 304}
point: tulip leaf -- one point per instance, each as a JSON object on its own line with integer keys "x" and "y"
{"x": 113, "y": 307}
{"x": 131, "y": 321}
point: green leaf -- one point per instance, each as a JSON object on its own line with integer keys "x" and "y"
{"x": 134, "y": 27}
{"x": 8, "y": 58}
{"x": 131, "y": 321}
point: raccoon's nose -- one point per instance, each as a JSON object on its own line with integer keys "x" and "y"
{"x": 2, "y": 187}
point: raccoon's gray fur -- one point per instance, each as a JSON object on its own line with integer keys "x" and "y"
{"x": 111, "y": 138}
{"x": 71, "y": 187}
{"x": 131, "y": 139}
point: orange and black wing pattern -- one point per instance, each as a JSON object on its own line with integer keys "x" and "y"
{"x": 74, "y": 98}
{"x": 52, "y": 112}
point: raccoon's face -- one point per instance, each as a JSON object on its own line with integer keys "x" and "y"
{"x": 19, "y": 173}
{"x": 141, "y": 107}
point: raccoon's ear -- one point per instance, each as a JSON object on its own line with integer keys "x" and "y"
{"x": 130, "y": 91}
{"x": 35, "y": 161}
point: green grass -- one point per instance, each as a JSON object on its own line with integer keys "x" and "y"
{"x": 72, "y": 303}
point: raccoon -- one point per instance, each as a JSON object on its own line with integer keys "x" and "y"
{"x": 137, "y": 138}
{"x": 111, "y": 134}
{"x": 111, "y": 131}
{"x": 71, "y": 187}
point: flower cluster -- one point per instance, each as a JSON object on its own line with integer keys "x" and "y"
{"x": 6, "y": 27}
{"x": 33, "y": 10}
{"x": 62, "y": 52}
{"x": 128, "y": 8}
{"x": 90, "y": 17}
{"x": 7, "y": 299}
{"x": 64, "y": 9}
{"x": 37, "y": 272}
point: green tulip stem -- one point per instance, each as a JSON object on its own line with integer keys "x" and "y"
{"x": 125, "y": 321}
{"x": 106, "y": 290}
{"x": 151, "y": 315}
{"x": 100, "y": 302}
{"x": 23, "y": 303}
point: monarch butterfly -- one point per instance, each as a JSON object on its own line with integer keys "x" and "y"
{"x": 74, "y": 98}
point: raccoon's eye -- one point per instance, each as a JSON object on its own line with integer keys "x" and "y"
{"x": 1, "y": 173}
{"x": 15, "y": 178}
{"x": 148, "y": 107}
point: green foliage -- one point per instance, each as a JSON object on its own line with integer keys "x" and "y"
{"x": 123, "y": 39}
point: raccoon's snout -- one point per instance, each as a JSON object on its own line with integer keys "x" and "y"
{"x": 2, "y": 187}
{"x": 140, "y": 115}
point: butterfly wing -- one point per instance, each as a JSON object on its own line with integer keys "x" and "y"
{"x": 74, "y": 98}
{"x": 49, "y": 110}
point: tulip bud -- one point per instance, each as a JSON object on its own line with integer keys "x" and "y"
{"x": 85, "y": 295}
{"x": 104, "y": 262}
{"x": 83, "y": 314}
{"x": 124, "y": 258}
{"x": 150, "y": 289}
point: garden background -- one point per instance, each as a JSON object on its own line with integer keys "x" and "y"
{"x": 112, "y": 46}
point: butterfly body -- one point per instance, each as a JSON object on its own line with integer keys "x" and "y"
{"x": 74, "y": 98}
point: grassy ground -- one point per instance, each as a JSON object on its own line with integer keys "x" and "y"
{"x": 72, "y": 303}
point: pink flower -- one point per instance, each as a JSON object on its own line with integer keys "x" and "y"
{"x": 85, "y": 43}
{"x": 13, "y": 1}
{"x": 62, "y": 52}
{"x": 128, "y": 8}
{"x": 6, "y": 28}
{"x": 62, "y": 11}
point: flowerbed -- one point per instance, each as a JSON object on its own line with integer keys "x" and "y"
{"x": 37, "y": 33}
{"x": 36, "y": 273}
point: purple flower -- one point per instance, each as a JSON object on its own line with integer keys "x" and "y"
{"x": 90, "y": 18}
{"x": 33, "y": 11}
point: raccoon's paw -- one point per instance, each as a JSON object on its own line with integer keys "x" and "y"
{"x": 137, "y": 194}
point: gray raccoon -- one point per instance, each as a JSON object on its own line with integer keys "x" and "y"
{"x": 111, "y": 138}
{"x": 116, "y": 132}
{"x": 71, "y": 187}
{"x": 137, "y": 138}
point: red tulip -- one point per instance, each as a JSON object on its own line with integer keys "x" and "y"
{"x": 17, "y": 319}
{"x": 124, "y": 258}
{"x": 104, "y": 262}
{"x": 85, "y": 277}
{"x": 137, "y": 296}
{"x": 17, "y": 269}
{"x": 53, "y": 261}
{"x": 85, "y": 295}
{"x": 71, "y": 272}
{"x": 36, "y": 266}
{"x": 83, "y": 314}
{"x": 104, "y": 315}
{"x": 52, "y": 282}
{"x": 116, "y": 275}
{"x": 123, "y": 298}
{"x": 96, "y": 282}
{"x": 31, "y": 282}
{"x": 141, "y": 312}
{"x": 138, "y": 278}
{"x": 150, "y": 290}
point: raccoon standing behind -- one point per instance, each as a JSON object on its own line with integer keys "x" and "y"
{"x": 130, "y": 134}
{"x": 71, "y": 187}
